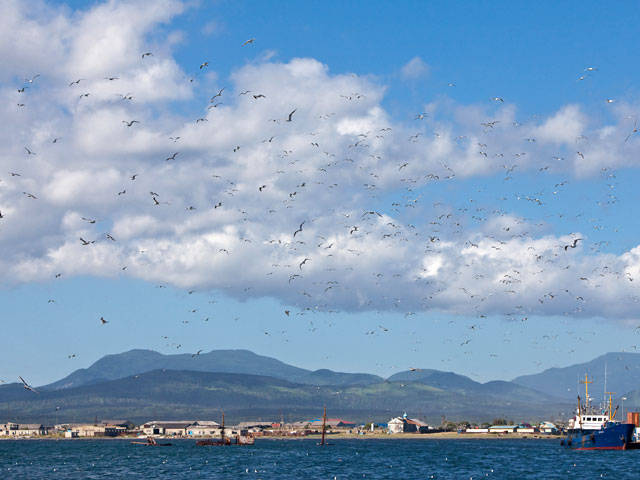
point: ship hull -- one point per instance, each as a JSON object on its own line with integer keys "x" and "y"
{"x": 612, "y": 437}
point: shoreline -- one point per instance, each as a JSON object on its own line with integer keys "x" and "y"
{"x": 338, "y": 436}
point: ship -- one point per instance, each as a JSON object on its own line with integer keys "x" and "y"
{"x": 596, "y": 429}
{"x": 243, "y": 438}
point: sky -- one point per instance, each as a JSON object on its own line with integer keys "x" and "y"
{"x": 365, "y": 187}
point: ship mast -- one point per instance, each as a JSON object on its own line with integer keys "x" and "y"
{"x": 586, "y": 389}
{"x": 222, "y": 428}
{"x": 611, "y": 413}
{"x": 324, "y": 424}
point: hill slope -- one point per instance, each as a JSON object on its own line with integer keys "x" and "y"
{"x": 623, "y": 375}
{"x": 170, "y": 394}
{"x": 133, "y": 362}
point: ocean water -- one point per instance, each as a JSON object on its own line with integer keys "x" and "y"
{"x": 303, "y": 459}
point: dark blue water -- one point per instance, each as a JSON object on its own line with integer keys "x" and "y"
{"x": 302, "y": 459}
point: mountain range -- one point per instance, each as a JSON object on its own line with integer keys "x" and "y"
{"x": 141, "y": 385}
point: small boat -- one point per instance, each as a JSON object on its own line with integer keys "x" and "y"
{"x": 597, "y": 430}
{"x": 151, "y": 442}
{"x": 225, "y": 440}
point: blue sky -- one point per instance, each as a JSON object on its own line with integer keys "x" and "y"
{"x": 404, "y": 272}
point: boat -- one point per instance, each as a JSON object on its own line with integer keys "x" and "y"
{"x": 597, "y": 429}
{"x": 151, "y": 442}
{"x": 240, "y": 439}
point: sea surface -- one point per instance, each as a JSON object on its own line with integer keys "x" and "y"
{"x": 303, "y": 459}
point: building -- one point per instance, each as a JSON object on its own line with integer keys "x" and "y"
{"x": 476, "y": 430}
{"x": 332, "y": 423}
{"x": 12, "y": 429}
{"x": 548, "y": 427}
{"x": 203, "y": 428}
{"x": 502, "y": 428}
{"x": 167, "y": 428}
{"x": 404, "y": 424}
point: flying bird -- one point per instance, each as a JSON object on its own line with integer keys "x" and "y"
{"x": 291, "y": 115}
{"x": 298, "y": 230}
{"x": 147, "y": 54}
{"x": 251, "y": 40}
{"x": 172, "y": 157}
{"x": 219, "y": 94}
{"x": 128, "y": 124}
{"x": 572, "y": 245}
{"x": 27, "y": 386}
{"x": 103, "y": 321}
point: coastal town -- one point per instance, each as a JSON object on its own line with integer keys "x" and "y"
{"x": 197, "y": 429}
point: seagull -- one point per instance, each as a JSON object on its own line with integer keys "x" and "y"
{"x": 111, "y": 79}
{"x": 133, "y": 177}
{"x": 219, "y": 94}
{"x": 30, "y": 195}
{"x": 251, "y": 40}
{"x": 76, "y": 82}
{"x": 286, "y": 312}
{"x": 27, "y": 386}
{"x": 128, "y": 124}
{"x": 196, "y": 354}
{"x": 498, "y": 99}
{"x": 172, "y": 157}
{"x": 303, "y": 262}
{"x": 291, "y": 114}
{"x": 30, "y": 80}
{"x": 85, "y": 242}
{"x": 298, "y": 230}
{"x": 103, "y": 321}
{"x": 29, "y": 151}
{"x": 572, "y": 245}
{"x": 90, "y": 220}
{"x": 110, "y": 237}
{"x": 259, "y": 96}
{"x": 147, "y": 54}
{"x": 203, "y": 65}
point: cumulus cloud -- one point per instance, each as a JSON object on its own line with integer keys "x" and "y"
{"x": 414, "y": 68}
{"x": 214, "y": 200}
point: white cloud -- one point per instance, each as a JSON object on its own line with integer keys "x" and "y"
{"x": 223, "y": 212}
{"x": 414, "y": 68}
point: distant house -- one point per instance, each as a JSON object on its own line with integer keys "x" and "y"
{"x": 548, "y": 427}
{"x": 89, "y": 430}
{"x": 476, "y": 430}
{"x": 202, "y": 428}
{"x": 24, "y": 430}
{"x": 502, "y": 428}
{"x": 333, "y": 423}
{"x": 168, "y": 428}
{"x": 526, "y": 428}
{"x": 405, "y": 424}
